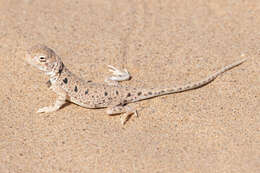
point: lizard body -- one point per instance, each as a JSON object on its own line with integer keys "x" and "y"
{"x": 110, "y": 95}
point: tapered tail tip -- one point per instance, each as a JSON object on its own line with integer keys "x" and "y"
{"x": 244, "y": 57}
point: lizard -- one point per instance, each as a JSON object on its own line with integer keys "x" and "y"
{"x": 110, "y": 95}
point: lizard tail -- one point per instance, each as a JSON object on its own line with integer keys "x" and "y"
{"x": 150, "y": 93}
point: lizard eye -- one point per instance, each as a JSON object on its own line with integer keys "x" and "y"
{"x": 42, "y": 59}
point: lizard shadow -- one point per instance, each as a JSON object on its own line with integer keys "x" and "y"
{"x": 65, "y": 104}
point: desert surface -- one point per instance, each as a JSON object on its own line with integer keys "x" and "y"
{"x": 215, "y": 128}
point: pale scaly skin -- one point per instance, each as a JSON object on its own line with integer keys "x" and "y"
{"x": 110, "y": 95}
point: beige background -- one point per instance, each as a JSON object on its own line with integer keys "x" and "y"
{"x": 170, "y": 42}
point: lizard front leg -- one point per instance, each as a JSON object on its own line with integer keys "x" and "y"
{"x": 126, "y": 110}
{"x": 60, "y": 100}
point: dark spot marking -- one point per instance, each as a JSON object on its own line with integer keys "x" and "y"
{"x": 150, "y": 93}
{"x": 117, "y": 93}
{"x": 65, "y": 80}
{"x": 139, "y": 93}
{"x": 129, "y": 94}
{"x": 61, "y": 68}
{"x": 105, "y": 93}
{"x": 48, "y": 83}
{"x": 86, "y": 92}
{"x": 76, "y": 89}
{"x": 187, "y": 87}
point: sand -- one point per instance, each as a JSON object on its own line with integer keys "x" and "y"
{"x": 215, "y": 128}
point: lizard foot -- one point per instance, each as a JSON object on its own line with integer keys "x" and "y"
{"x": 118, "y": 74}
{"x": 61, "y": 99}
{"x": 126, "y": 116}
{"x": 47, "y": 109}
{"x": 126, "y": 110}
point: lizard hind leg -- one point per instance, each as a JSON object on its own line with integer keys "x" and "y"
{"x": 118, "y": 76}
{"x": 126, "y": 110}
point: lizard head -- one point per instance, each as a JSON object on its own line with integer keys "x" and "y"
{"x": 44, "y": 58}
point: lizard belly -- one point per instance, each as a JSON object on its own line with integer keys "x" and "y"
{"x": 89, "y": 105}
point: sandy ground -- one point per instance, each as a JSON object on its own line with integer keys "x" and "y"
{"x": 162, "y": 43}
